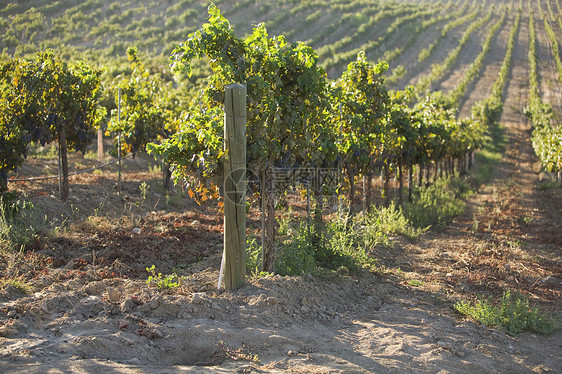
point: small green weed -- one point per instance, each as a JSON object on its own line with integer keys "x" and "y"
{"x": 415, "y": 283}
{"x": 253, "y": 255}
{"x": 382, "y": 222}
{"x": 335, "y": 246}
{"x": 91, "y": 155}
{"x": 18, "y": 222}
{"x": 284, "y": 222}
{"x": 163, "y": 282}
{"x": 98, "y": 210}
{"x": 43, "y": 152}
{"x": 475, "y": 223}
{"x": 528, "y": 220}
{"x": 155, "y": 169}
{"x": 512, "y": 313}
{"x": 144, "y": 187}
{"x": 438, "y": 203}
{"x": 296, "y": 255}
{"x": 17, "y": 282}
{"x": 343, "y": 246}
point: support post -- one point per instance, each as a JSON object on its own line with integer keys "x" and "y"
{"x": 60, "y": 170}
{"x": 119, "y": 139}
{"x": 100, "y": 145}
{"x": 234, "y": 186}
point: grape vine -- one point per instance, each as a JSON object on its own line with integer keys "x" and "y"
{"x": 438, "y": 69}
{"x": 458, "y": 92}
{"x": 546, "y": 136}
{"x": 44, "y": 100}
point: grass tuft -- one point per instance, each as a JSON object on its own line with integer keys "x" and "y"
{"x": 18, "y": 222}
{"x": 19, "y": 283}
{"x": 438, "y": 203}
{"x": 512, "y": 313}
{"x": 382, "y": 222}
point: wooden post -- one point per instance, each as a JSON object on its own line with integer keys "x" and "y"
{"x": 234, "y": 186}
{"x": 119, "y": 140}
{"x": 100, "y": 145}
{"x": 60, "y": 170}
{"x": 364, "y": 193}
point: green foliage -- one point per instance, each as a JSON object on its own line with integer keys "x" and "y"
{"x": 44, "y": 100}
{"x": 358, "y": 103}
{"x": 547, "y": 134}
{"x": 296, "y": 256}
{"x": 18, "y": 222}
{"x": 382, "y": 222}
{"x": 512, "y": 313}
{"x": 439, "y": 133}
{"x": 253, "y": 255}
{"x": 342, "y": 246}
{"x": 334, "y": 246}
{"x": 285, "y": 88}
{"x": 143, "y": 109}
{"x": 438, "y": 203}
{"x": 284, "y": 83}
{"x": 163, "y": 282}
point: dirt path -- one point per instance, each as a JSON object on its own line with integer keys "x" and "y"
{"x": 511, "y": 217}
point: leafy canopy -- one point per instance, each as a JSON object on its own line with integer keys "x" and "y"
{"x": 285, "y": 105}
{"x": 41, "y": 98}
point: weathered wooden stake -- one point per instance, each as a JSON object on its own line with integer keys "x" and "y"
{"x": 60, "y": 171}
{"x": 119, "y": 139}
{"x": 100, "y": 145}
{"x": 234, "y": 186}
